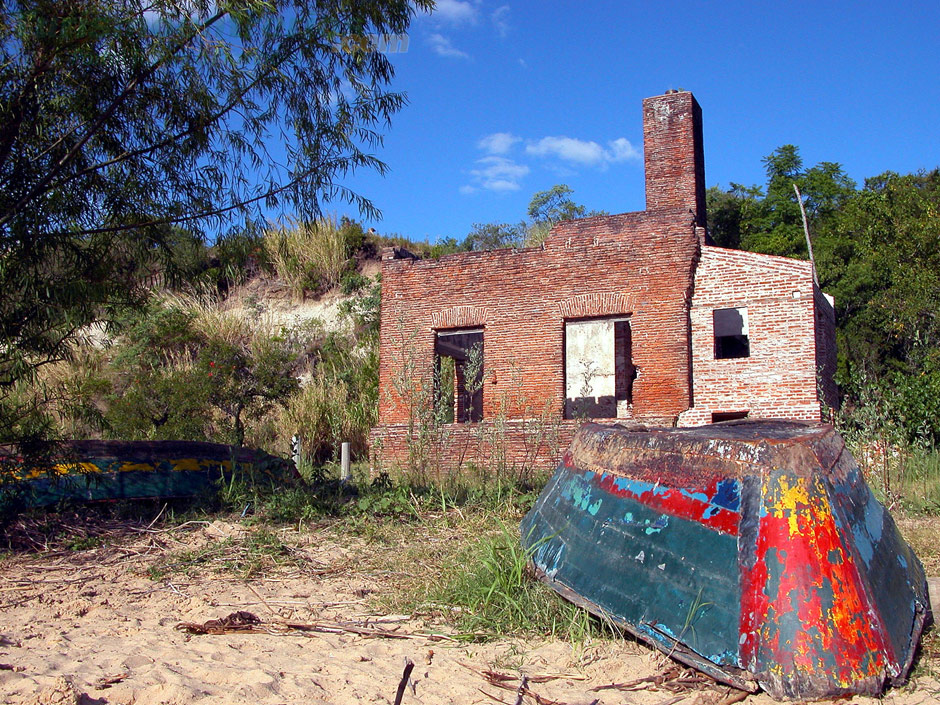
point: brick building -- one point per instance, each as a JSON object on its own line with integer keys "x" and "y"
{"x": 497, "y": 356}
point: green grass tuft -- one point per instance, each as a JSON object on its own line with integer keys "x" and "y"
{"x": 495, "y": 592}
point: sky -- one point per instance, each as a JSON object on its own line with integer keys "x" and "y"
{"x": 510, "y": 98}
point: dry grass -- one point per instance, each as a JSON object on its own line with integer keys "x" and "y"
{"x": 208, "y": 319}
{"x": 307, "y": 255}
{"x": 921, "y": 533}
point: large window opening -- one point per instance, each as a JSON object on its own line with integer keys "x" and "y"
{"x": 731, "y": 338}
{"x": 599, "y": 369}
{"x": 458, "y": 376}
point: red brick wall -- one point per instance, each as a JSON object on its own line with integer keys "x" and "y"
{"x": 778, "y": 379}
{"x": 673, "y": 153}
{"x": 522, "y": 450}
{"x": 639, "y": 264}
{"x": 588, "y": 268}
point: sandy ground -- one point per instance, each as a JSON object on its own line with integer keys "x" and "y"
{"x": 92, "y": 627}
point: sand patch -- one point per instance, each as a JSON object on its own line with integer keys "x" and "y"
{"x": 101, "y": 626}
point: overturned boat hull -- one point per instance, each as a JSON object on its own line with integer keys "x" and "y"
{"x": 753, "y": 551}
{"x": 111, "y": 470}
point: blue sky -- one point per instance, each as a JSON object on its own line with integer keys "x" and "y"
{"x": 510, "y": 98}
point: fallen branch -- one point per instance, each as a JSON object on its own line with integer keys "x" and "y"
{"x": 502, "y": 680}
{"x": 242, "y": 621}
{"x": 735, "y": 697}
{"x": 672, "y": 701}
{"x": 107, "y": 681}
{"x": 523, "y": 687}
{"x": 674, "y": 680}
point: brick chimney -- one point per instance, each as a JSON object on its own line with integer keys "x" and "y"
{"x": 673, "y": 153}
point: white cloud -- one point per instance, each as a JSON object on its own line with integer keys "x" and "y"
{"x": 442, "y": 46}
{"x": 500, "y": 19}
{"x": 456, "y": 12}
{"x": 621, "y": 150}
{"x": 497, "y": 174}
{"x": 498, "y": 142}
{"x": 568, "y": 149}
{"x": 588, "y": 153}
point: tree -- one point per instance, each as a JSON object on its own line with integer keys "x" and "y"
{"x": 554, "y": 205}
{"x": 123, "y": 120}
{"x": 771, "y": 222}
{"x": 882, "y": 263}
{"x": 494, "y": 236}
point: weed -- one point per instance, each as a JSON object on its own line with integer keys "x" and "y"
{"x": 85, "y": 543}
{"x": 493, "y": 585}
{"x": 696, "y": 610}
{"x": 918, "y": 481}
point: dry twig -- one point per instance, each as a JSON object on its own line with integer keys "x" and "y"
{"x": 409, "y": 667}
{"x": 243, "y": 621}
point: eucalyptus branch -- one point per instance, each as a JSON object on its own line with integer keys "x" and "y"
{"x": 96, "y": 125}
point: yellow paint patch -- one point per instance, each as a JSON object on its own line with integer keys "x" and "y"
{"x": 791, "y": 503}
{"x": 136, "y": 467}
{"x": 186, "y": 464}
{"x": 70, "y": 469}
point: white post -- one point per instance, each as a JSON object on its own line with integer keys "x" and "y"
{"x": 344, "y": 463}
{"x": 295, "y": 450}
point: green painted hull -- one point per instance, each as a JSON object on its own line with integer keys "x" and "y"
{"x": 111, "y": 470}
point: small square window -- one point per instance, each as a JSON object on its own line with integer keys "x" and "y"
{"x": 730, "y": 327}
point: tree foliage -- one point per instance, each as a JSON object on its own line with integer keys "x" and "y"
{"x": 769, "y": 221}
{"x": 122, "y": 121}
{"x": 494, "y": 236}
{"x": 555, "y": 205}
{"x": 545, "y": 210}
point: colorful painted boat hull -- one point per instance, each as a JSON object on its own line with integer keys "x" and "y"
{"x": 753, "y": 551}
{"x": 109, "y": 470}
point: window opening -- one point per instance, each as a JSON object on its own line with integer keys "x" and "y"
{"x": 731, "y": 337}
{"x": 728, "y": 416}
{"x": 458, "y": 376}
{"x": 599, "y": 369}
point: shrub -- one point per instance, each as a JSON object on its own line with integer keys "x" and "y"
{"x": 170, "y": 403}
{"x": 352, "y": 282}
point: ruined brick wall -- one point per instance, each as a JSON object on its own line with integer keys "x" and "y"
{"x": 636, "y": 264}
{"x": 779, "y": 378}
{"x": 523, "y": 450}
